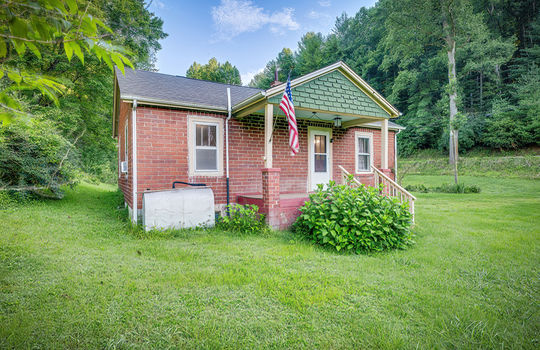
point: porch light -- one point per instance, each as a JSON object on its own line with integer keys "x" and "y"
{"x": 337, "y": 122}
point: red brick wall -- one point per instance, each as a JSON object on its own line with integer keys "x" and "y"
{"x": 163, "y": 153}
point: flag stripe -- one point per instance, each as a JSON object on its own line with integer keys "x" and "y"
{"x": 287, "y": 106}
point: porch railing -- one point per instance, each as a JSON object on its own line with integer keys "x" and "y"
{"x": 390, "y": 187}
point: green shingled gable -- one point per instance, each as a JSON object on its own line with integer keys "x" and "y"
{"x": 333, "y": 92}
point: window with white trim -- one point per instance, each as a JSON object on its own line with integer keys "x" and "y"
{"x": 205, "y": 146}
{"x": 126, "y": 131}
{"x": 364, "y": 152}
{"x": 206, "y": 150}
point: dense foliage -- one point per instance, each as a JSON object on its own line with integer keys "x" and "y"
{"x": 215, "y": 71}
{"x": 82, "y": 115}
{"x": 357, "y": 219}
{"x": 28, "y": 27}
{"x": 401, "y": 49}
{"x": 34, "y": 155}
{"x": 244, "y": 219}
{"x": 444, "y": 188}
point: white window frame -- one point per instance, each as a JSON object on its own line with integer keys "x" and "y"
{"x": 364, "y": 135}
{"x": 126, "y": 144}
{"x": 193, "y": 121}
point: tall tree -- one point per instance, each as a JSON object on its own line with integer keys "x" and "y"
{"x": 447, "y": 24}
{"x": 215, "y": 71}
{"x": 59, "y": 23}
{"x": 82, "y": 117}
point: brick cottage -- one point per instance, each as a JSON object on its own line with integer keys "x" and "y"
{"x": 172, "y": 128}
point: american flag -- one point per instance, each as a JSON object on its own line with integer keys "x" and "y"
{"x": 287, "y": 107}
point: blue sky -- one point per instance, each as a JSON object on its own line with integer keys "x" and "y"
{"x": 247, "y": 33}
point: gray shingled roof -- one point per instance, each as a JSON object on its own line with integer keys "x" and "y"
{"x": 177, "y": 90}
{"x": 391, "y": 125}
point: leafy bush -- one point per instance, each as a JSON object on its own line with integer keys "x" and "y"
{"x": 243, "y": 219}
{"x": 35, "y": 155}
{"x": 355, "y": 219}
{"x": 445, "y": 188}
{"x": 14, "y": 199}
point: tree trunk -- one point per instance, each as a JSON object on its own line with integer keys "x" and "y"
{"x": 481, "y": 87}
{"x": 452, "y": 94}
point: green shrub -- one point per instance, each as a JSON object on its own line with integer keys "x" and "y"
{"x": 33, "y": 155}
{"x": 354, "y": 219}
{"x": 445, "y": 188}
{"x": 243, "y": 219}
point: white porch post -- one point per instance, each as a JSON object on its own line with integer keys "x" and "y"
{"x": 384, "y": 144}
{"x": 268, "y": 125}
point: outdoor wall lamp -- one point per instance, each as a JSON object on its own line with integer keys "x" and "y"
{"x": 337, "y": 122}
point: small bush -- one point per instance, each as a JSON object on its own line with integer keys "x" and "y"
{"x": 445, "y": 188}
{"x": 355, "y": 219}
{"x": 14, "y": 199}
{"x": 243, "y": 219}
{"x": 35, "y": 154}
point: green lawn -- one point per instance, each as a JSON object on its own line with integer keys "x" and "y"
{"x": 71, "y": 276}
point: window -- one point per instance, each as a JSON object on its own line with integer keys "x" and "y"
{"x": 320, "y": 154}
{"x": 205, "y": 146}
{"x": 126, "y": 131}
{"x": 206, "y": 152}
{"x": 364, "y": 152}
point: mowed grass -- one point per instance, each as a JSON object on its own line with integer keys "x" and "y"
{"x": 71, "y": 276}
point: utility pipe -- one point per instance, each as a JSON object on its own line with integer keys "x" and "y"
{"x": 395, "y": 153}
{"x": 227, "y": 143}
{"x": 134, "y": 156}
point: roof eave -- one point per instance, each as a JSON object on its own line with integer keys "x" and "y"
{"x": 261, "y": 95}
{"x": 172, "y": 104}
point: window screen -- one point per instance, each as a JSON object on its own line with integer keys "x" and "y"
{"x": 364, "y": 154}
{"x": 126, "y": 130}
{"x": 206, "y": 152}
{"x": 320, "y": 154}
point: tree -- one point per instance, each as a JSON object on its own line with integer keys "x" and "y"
{"x": 285, "y": 63}
{"x": 30, "y": 26}
{"x": 215, "y": 71}
{"x": 447, "y": 24}
{"x": 135, "y": 28}
{"x": 310, "y": 52}
{"x": 70, "y": 131}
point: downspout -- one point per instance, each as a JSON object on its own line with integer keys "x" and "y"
{"x": 134, "y": 156}
{"x": 395, "y": 153}
{"x": 227, "y": 144}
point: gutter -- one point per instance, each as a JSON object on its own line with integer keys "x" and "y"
{"x": 229, "y": 110}
{"x": 173, "y": 104}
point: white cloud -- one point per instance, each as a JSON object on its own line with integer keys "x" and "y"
{"x": 246, "y": 77}
{"x": 233, "y": 17}
{"x": 325, "y": 3}
{"x": 158, "y": 4}
{"x": 317, "y": 15}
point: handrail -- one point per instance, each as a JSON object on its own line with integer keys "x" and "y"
{"x": 391, "y": 187}
{"x": 345, "y": 176}
{"x": 401, "y": 189}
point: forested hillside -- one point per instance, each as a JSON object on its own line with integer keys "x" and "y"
{"x": 403, "y": 48}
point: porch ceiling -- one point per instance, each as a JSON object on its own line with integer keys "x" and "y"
{"x": 324, "y": 116}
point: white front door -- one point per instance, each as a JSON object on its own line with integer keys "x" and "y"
{"x": 319, "y": 162}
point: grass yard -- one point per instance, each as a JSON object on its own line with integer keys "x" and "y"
{"x": 72, "y": 276}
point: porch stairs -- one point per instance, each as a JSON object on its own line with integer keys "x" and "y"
{"x": 390, "y": 187}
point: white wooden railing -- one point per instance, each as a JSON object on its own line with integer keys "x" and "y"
{"x": 390, "y": 187}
